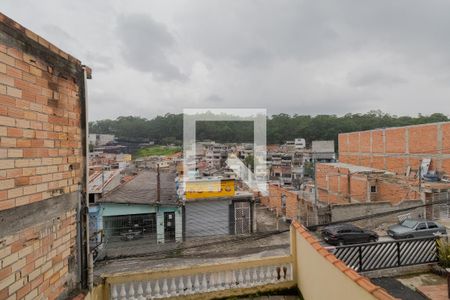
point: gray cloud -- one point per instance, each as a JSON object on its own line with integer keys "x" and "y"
{"x": 294, "y": 56}
{"x": 145, "y": 44}
{"x": 374, "y": 78}
{"x": 214, "y": 99}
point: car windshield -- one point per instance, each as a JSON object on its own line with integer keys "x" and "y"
{"x": 408, "y": 223}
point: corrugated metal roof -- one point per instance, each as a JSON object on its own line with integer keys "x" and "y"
{"x": 142, "y": 189}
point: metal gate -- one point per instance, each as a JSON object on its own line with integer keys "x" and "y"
{"x": 442, "y": 209}
{"x": 128, "y": 227}
{"x": 242, "y": 218}
{"x": 392, "y": 254}
{"x": 207, "y": 218}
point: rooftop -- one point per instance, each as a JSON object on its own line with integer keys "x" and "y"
{"x": 356, "y": 168}
{"x": 143, "y": 189}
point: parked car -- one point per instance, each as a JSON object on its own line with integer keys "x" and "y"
{"x": 342, "y": 234}
{"x": 413, "y": 228}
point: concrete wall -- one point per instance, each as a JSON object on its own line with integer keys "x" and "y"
{"x": 41, "y": 164}
{"x": 347, "y": 211}
{"x": 395, "y": 149}
{"x": 320, "y": 275}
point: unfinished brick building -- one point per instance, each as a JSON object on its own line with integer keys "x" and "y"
{"x": 42, "y": 167}
{"x": 396, "y": 149}
{"x": 383, "y": 166}
{"x": 341, "y": 183}
{"x": 283, "y": 201}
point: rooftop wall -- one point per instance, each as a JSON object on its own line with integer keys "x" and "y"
{"x": 320, "y": 275}
{"x": 395, "y": 149}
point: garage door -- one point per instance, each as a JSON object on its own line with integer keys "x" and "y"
{"x": 205, "y": 218}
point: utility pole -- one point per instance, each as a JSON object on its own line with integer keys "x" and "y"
{"x": 158, "y": 184}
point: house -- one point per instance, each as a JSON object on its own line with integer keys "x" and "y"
{"x": 141, "y": 208}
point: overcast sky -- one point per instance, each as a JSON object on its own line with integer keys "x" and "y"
{"x": 305, "y": 57}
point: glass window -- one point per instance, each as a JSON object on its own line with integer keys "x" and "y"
{"x": 432, "y": 225}
{"x": 421, "y": 226}
{"x": 408, "y": 223}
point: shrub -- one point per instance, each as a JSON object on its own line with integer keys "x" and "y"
{"x": 443, "y": 252}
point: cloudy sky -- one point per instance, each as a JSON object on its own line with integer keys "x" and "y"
{"x": 305, "y": 57}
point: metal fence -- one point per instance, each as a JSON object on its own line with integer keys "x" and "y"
{"x": 391, "y": 254}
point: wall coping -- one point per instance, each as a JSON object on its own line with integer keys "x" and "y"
{"x": 362, "y": 281}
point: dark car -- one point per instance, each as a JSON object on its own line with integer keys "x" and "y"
{"x": 342, "y": 234}
{"x": 413, "y": 228}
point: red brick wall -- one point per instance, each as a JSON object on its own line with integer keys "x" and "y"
{"x": 358, "y": 187}
{"x": 389, "y": 188}
{"x": 273, "y": 201}
{"x": 40, "y": 158}
{"x": 395, "y": 192}
{"x": 395, "y": 149}
{"x": 35, "y": 260}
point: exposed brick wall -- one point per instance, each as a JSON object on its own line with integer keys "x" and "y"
{"x": 34, "y": 262}
{"x": 39, "y": 130}
{"x": 41, "y": 159}
{"x": 333, "y": 184}
{"x": 395, "y": 149}
{"x": 273, "y": 201}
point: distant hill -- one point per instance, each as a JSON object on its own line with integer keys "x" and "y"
{"x": 168, "y": 129}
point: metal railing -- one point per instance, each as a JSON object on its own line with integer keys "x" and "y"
{"x": 389, "y": 254}
{"x": 216, "y": 280}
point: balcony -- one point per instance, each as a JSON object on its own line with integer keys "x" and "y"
{"x": 310, "y": 268}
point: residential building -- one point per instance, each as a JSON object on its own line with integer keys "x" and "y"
{"x": 96, "y": 139}
{"x": 140, "y": 208}
{"x": 339, "y": 183}
{"x": 323, "y": 151}
{"x": 43, "y": 172}
{"x": 398, "y": 149}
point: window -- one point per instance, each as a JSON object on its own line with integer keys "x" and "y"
{"x": 421, "y": 226}
{"x": 432, "y": 225}
{"x": 373, "y": 188}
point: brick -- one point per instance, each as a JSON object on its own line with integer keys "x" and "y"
{"x": 6, "y": 184}
{"x": 6, "y": 204}
{"x": 15, "y": 153}
{"x": 7, "y": 281}
{"x": 5, "y": 272}
{"x": 9, "y": 260}
{"x": 15, "y": 132}
{"x": 6, "y": 59}
{"x": 7, "y": 121}
{"x": 6, "y": 164}
{"x": 13, "y": 92}
{"x": 7, "y": 80}
{"x": 21, "y": 181}
{"x": 18, "y": 264}
{"x": 20, "y": 294}
{"x": 7, "y": 142}
{"x": 13, "y": 193}
{"x": 13, "y": 72}
{"x": 16, "y": 286}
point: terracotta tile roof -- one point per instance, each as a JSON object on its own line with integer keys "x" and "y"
{"x": 362, "y": 281}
